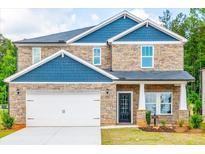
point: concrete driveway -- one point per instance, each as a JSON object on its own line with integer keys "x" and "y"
{"x": 54, "y": 136}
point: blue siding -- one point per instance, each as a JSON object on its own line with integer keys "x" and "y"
{"x": 63, "y": 69}
{"x": 147, "y": 34}
{"x": 108, "y": 31}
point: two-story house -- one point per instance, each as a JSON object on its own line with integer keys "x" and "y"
{"x": 107, "y": 74}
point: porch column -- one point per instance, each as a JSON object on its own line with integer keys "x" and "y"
{"x": 141, "y": 112}
{"x": 183, "y": 102}
{"x": 141, "y": 97}
{"x": 183, "y": 112}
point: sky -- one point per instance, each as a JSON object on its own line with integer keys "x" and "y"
{"x": 17, "y": 24}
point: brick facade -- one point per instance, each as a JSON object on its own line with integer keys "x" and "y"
{"x": 184, "y": 115}
{"x": 83, "y": 52}
{"x": 141, "y": 118}
{"x": 17, "y": 103}
{"x": 167, "y": 57}
{"x": 125, "y": 57}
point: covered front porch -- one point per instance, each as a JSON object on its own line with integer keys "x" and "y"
{"x": 165, "y": 99}
{"x": 161, "y": 92}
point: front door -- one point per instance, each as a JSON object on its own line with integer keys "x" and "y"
{"x": 124, "y": 107}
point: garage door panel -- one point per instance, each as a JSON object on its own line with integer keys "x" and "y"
{"x": 66, "y": 109}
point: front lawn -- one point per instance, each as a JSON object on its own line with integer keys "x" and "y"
{"x": 135, "y": 136}
{"x": 6, "y": 132}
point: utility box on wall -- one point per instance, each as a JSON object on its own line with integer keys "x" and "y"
{"x": 203, "y": 93}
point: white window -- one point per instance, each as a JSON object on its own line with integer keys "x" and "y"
{"x": 147, "y": 56}
{"x": 36, "y": 54}
{"x": 151, "y": 101}
{"x": 159, "y": 103}
{"x": 97, "y": 56}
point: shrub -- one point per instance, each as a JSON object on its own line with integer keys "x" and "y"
{"x": 7, "y": 120}
{"x": 163, "y": 123}
{"x": 181, "y": 123}
{"x": 148, "y": 117}
{"x": 195, "y": 121}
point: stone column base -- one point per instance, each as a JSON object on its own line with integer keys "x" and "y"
{"x": 184, "y": 115}
{"x": 141, "y": 118}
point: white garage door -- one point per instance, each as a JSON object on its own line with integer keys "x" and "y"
{"x": 63, "y": 108}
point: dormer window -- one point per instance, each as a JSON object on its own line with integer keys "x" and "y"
{"x": 97, "y": 56}
{"x": 147, "y": 56}
{"x": 36, "y": 54}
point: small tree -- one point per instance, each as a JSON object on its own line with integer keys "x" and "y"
{"x": 7, "y": 65}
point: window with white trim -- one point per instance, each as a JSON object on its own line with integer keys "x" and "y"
{"x": 97, "y": 56}
{"x": 151, "y": 101}
{"x": 36, "y": 54}
{"x": 147, "y": 54}
{"x": 159, "y": 103}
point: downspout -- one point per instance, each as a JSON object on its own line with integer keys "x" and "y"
{"x": 110, "y": 47}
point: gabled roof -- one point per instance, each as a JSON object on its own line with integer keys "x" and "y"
{"x": 55, "y": 38}
{"x": 104, "y": 23}
{"x": 48, "y": 59}
{"x": 73, "y": 35}
{"x": 147, "y": 23}
{"x": 78, "y": 34}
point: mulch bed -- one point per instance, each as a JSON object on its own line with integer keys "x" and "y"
{"x": 18, "y": 126}
{"x": 157, "y": 129}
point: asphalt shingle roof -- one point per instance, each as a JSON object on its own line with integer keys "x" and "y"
{"x": 56, "y": 38}
{"x": 152, "y": 75}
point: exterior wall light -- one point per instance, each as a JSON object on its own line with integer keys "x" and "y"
{"x": 17, "y": 91}
{"x": 107, "y": 91}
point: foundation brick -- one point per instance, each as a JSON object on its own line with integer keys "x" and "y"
{"x": 184, "y": 115}
{"x": 141, "y": 118}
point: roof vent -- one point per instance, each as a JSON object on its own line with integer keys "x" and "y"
{"x": 124, "y": 16}
{"x": 62, "y": 55}
{"x": 147, "y": 24}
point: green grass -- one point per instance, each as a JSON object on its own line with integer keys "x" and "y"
{"x": 203, "y": 125}
{"x": 134, "y": 136}
{"x": 6, "y": 132}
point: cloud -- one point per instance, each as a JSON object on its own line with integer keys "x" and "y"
{"x": 73, "y": 17}
{"x": 140, "y": 13}
{"x": 144, "y": 15}
{"x": 18, "y": 24}
{"x": 26, "y": 23}
{"x": 95, "y": 17}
